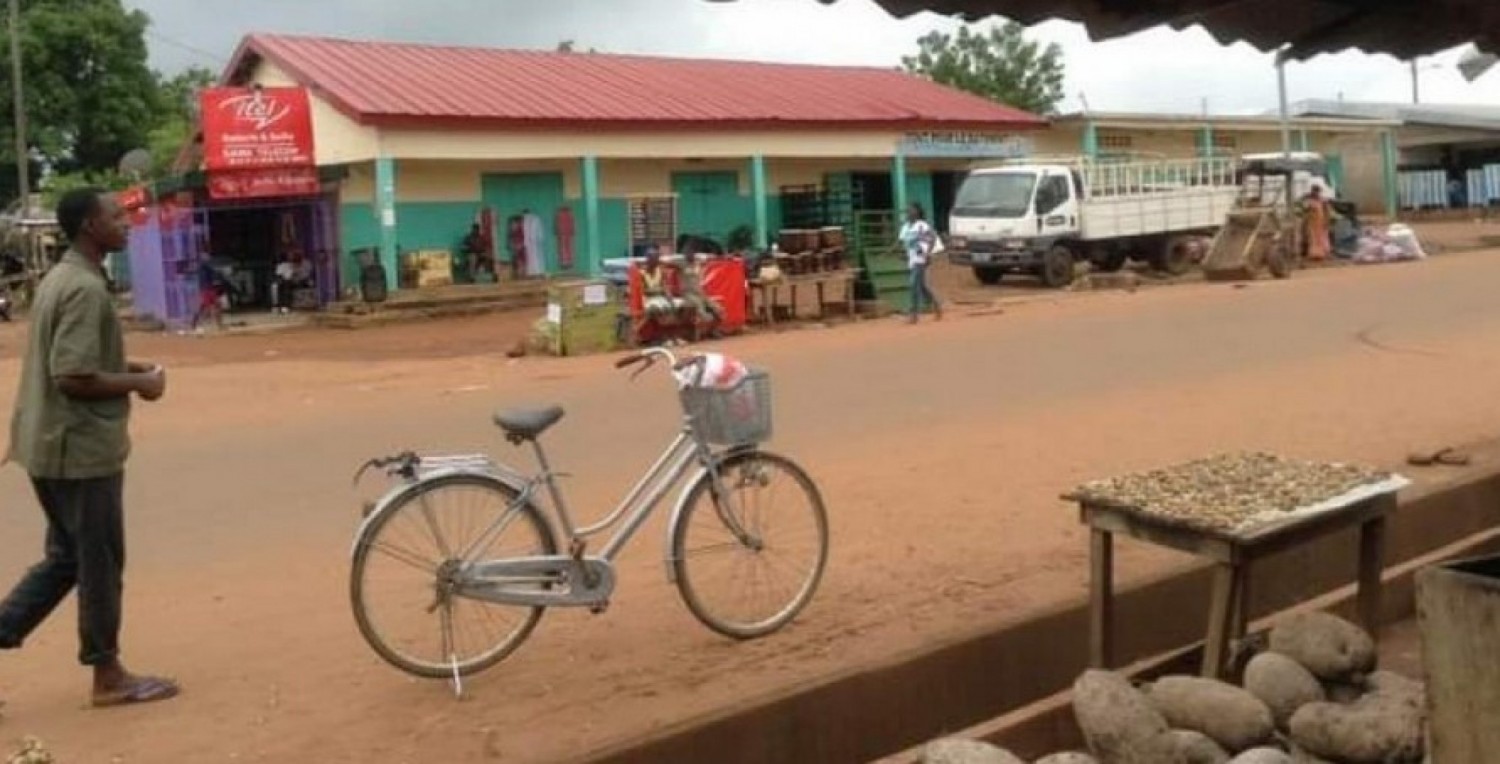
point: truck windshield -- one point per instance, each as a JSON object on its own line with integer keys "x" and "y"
{"x": 995, "y": 195}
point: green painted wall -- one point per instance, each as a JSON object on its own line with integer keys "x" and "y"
{"x": 358, "y": 229}
{"x": 710, "y": 204}
{"x": 919, "y": 191}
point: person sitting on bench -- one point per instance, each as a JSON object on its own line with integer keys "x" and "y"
{"x": 705, "y": 310}
{"x": 658, "y": 302}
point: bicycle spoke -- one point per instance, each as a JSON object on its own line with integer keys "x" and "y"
{"x": 407, "y": 552}
{"x": 409, "y": 558}
{"x": 750, "y": 586}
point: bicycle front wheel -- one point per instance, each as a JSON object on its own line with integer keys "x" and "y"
{"x": 403, "y": 582}
{"x": 748, "y": 563}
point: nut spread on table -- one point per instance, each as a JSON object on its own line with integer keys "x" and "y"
{"x": 1231, "y": 492}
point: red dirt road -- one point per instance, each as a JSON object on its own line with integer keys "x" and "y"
{"x": 941, "y": 450}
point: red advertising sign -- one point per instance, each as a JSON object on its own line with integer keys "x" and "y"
{"x": 256, "y": 128}
{"x": 133, "y": 198}
{"x": 250, "y": 184}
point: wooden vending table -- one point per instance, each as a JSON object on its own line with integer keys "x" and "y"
{"x": 1262, "y": 505}
{"x": 769, "y": 291}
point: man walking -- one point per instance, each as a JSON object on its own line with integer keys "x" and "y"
{"x": 70, "y": 433}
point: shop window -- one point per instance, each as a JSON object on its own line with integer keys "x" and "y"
{"x": 1116, "y": 141}
{"x": 653, "y": 220}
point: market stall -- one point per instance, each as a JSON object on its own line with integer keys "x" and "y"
{"x": 1233, "y": 510}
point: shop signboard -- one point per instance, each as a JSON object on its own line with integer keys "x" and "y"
{"x": 135, "y": 200}
{"x": 956, "y": 144}
{"x": 256, "y": 128}
{"x": 255, "y": 184}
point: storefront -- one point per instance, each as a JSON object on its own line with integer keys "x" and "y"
{"x": 260, "y": 214}
{"x": 564, "y": 161}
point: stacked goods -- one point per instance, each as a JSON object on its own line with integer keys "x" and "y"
{"x": 1314, "y": 697}
{"x": 427, "y": 268}
{"x": 1233, "y": 494}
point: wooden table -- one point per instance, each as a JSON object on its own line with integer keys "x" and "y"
{"x": 769, "y": 291}
{"x": 1233, "y": 554}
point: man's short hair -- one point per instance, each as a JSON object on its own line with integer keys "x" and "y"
{"x": 75, "y": 208}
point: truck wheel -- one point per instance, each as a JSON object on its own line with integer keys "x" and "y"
{"x": 1110, "y": 261}
{"x": 1176, "y": 256}
{"x": 988, "y": 276}
{"x": 1057, "y": 267}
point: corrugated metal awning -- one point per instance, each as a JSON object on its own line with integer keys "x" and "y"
{"x": 1402, "y": 28}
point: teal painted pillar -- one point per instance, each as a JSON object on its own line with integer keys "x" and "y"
{"x": 1206, "y": 141}
{"x": 898, "y": 184}
{"x": 593, "y": 253}
{"x": 1388, "y": 162}
{"x": 758, "y": 192}
{"x": 1091, "y": 140}
{"x": 1302, "y": 143}
{"x": 385, "y": 214}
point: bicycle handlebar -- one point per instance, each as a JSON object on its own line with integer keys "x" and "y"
{"x": 651, "y": 355}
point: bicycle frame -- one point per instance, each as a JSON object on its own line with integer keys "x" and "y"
{"x": 670, "y": 468}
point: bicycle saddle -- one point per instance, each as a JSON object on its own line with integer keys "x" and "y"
{"x": 528, "y": 424}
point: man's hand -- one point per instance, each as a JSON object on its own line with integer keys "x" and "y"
{"x": 153, "y": 384}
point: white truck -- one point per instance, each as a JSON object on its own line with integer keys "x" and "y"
{"x": 1041, "y": 216}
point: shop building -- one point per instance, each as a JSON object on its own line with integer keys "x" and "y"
{"x": 412, "y": 145}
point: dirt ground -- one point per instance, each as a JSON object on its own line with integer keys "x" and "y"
{"x": 941, "y": 450}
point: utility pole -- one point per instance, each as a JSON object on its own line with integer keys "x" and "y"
{"x": 23, "y": 156}
{"x": 1416, "y": 83}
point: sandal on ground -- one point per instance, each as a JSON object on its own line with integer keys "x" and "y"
{"x": 1445, "y": 456}
{"x": 137, "y": 691}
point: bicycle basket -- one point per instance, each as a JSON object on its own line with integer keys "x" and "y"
{"x": 735, "y": 416}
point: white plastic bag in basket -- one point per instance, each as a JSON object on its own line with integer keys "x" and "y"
{"x": 720, "y": 372}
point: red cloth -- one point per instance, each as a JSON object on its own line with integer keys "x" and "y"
{"x": 723, "y": 282}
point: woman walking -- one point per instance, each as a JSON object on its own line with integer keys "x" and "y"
{"x": 918, "y": 239}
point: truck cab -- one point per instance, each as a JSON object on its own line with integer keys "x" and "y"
{"x": 1010, "y": 219}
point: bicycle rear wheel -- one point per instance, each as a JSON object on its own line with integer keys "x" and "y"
{"x": 401, "y": 584}
{"x": 747, "y": 565}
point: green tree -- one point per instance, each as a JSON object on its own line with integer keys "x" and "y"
{"x": 1001, "y": 65}
{"x": 177, "y": 120}
{"x": 90, "y": 95}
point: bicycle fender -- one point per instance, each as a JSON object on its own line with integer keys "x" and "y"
{"x": 500, "y": 475}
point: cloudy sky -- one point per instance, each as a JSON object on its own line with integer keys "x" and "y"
{"x": 1157, "y": 70}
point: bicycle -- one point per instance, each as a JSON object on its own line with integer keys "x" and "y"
{"x": 506, "y": 582}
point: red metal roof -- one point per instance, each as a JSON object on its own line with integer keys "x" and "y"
{"x": 425, "y": 85}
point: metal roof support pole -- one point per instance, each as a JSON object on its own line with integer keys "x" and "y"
{"x": 385, "y": 206}
{"x": 758, "y": 191}
{"x": 1090, "y": 139}
{"x": 1206, "y": 141}
{"x": 594, "y": 260}
{"x": 898, "y": 184}
{"x": 1302, "y": 142}
{"x": 1389, "y": 163}
{"x": 1286, "y": 110}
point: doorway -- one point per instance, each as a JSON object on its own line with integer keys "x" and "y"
{"x": 944, "y": 192}
{"x": 511, "y": 196}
